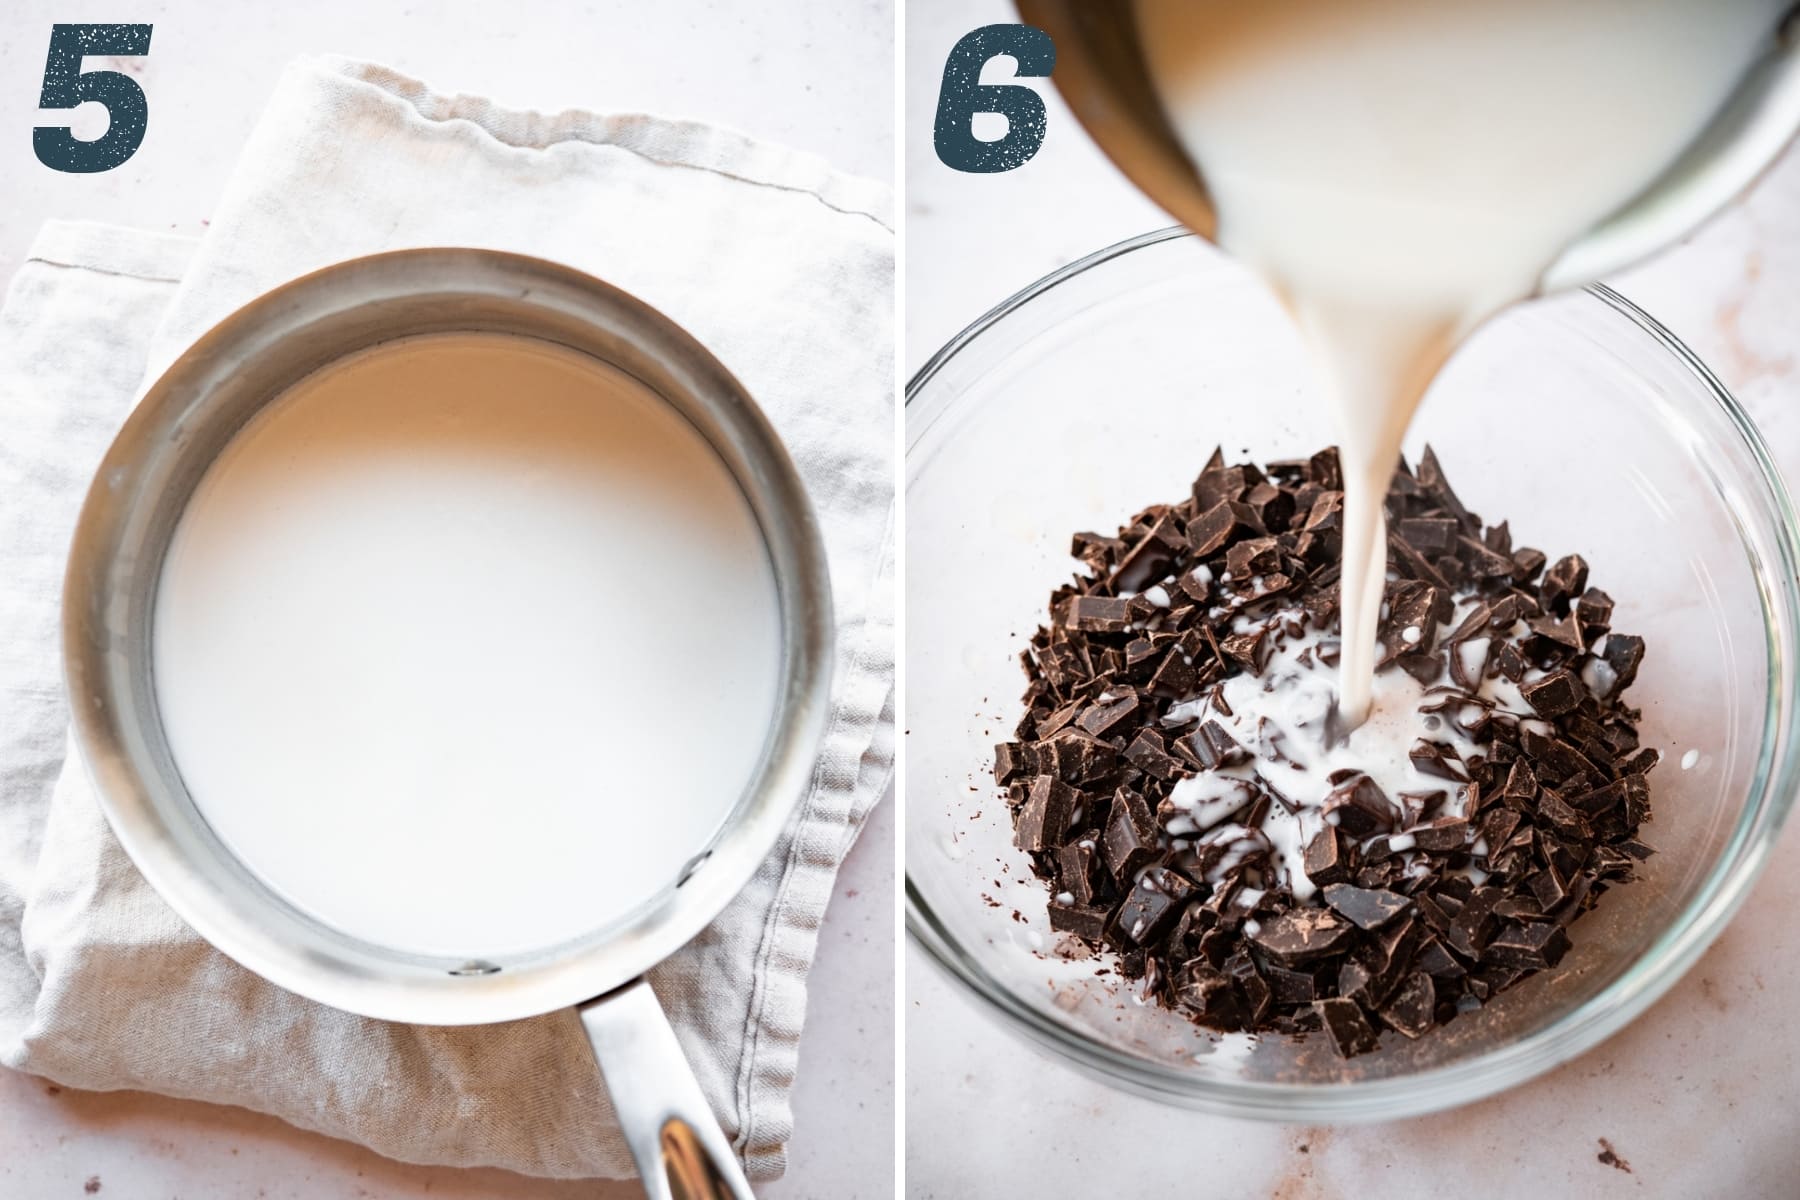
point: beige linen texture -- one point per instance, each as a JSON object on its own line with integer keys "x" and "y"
{"x": 782, "y": 267}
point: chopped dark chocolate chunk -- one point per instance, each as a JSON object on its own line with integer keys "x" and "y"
{"x": 1217, "y": 748}
{"x": 1563, "y": 817}
{"x": 1096, "y": 551}
{"x": 1326, "y": 514}
{"x": 1410, "y": 1009}
{"x": 1044, "y": 821}
{"x": 1220, "y": 483}
{"x": 1432, "y": 482}
{"x": 1009, "y": 762}
{"x": 1253, "y": 556}
{"x": 1323, "y": 469}
{"x": 1428, "y": 535}
{"x": 1153, "y": 805}
{"x": 1075, "y": 870}
{"x": 1129, "y": 842}
{"x": 1442, "y": 835}
{"x": 1387, "y": 953}
{"x": 1273, "y": 505}
{"x": 1497, "y": 825}
{"x": 1149, "y": 754}
{"x": 1218, "y": 526}
{"x": 1435, "y": 758}
{"x": 1507, "y": 660}
{"x": 1082, "y": 920}
{"x": 1548, "y": 888}
{"x": 1526, "y": 564}
{"x": 1151, "y": 907}
{"x": 1101, "y": 719}
{"x": 1258, "y": 996}
{"x": 1555, "y": 694}
{"x": 1532, "y": 947}
{"x": 1367, "y": 908}
{"x": 1148, "y": 561}
{"x": 1350, "y": 1031}
{"x": 1415, "y": 805}
{"x": 1210, "y": 995}
{"x": 1483, "y": 562}
{"x": 1521, "y": 782}
{"x": 1248, "y": 650}
{"x": 1602, "y": 799}
{"x": 1359, "y": 808}
{"x": 1098, "y": 614}
{"x": 1473, "y": 923}
{"x": 1302, "y": 935}
{"x": 1077, "y": 756}
{"x": 1622, "y": 654}
{"x": 1356, "y": 982}
{"x": 1594, "y": 610}
{"x": 1566, "y": 579}
{"x": 1290, "y": 989}
{"x": 1174, "y": 676}
{"x": 1433, "y": 959}
{"x": 1330, "y": 857}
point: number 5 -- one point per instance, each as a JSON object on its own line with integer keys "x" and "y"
{"x": 66, "y": 85}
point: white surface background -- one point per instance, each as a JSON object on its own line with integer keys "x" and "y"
{"x": 1699, "y": 1096}
{"x": 816, "y": 75}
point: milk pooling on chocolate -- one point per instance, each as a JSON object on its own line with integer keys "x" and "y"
{"x": 1399, "y": 170}
{"x": 1280, "y": 716}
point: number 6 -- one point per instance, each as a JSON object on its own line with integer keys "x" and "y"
{"x": 963, "y": 95}
{"x": 66, "y": 85}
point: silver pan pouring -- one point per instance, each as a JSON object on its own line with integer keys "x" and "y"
{"x": 131, "y": 511}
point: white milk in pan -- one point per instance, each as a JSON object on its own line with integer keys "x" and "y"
{"x": 467, "y": 644}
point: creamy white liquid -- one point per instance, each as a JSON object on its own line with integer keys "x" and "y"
{"x": 1282, "y": 715}
{"x": 466, "y": 645}
{"x": 1400, "y": 169}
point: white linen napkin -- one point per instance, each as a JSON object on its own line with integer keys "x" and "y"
{"x": 780, "y": 266}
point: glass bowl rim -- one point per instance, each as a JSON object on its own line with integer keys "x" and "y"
{"x": 1663, "y": 962}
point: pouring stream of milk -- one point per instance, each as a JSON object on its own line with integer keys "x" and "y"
{"x": 1399, "y": 170}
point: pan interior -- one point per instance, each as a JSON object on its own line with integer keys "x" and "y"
{"x": 466, "y": 645}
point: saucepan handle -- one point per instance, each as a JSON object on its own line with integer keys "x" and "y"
{"x": 680, "y": 1151}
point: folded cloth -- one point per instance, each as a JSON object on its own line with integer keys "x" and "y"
{"x": 782, "y": 267}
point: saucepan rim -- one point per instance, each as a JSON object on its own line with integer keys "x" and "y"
{"x": 115, "y": 549}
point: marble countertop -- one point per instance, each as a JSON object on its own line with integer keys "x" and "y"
{"x": 811, "y": 74}
{"x": 1696, "y": 1098}
{"x": 815, "y": 75}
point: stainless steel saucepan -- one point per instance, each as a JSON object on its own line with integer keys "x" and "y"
{"x": 1101, "y": 73}
{"x": 130, "y": 513}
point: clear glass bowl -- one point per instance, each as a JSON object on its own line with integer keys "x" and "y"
{"x": 1102, "y": 389}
